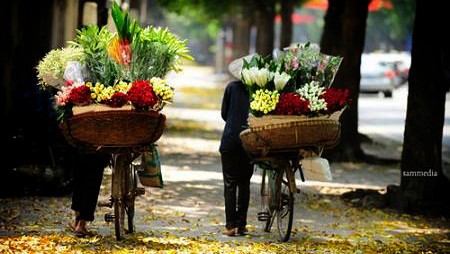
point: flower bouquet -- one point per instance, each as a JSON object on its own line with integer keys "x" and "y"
{"x": 110, "y": 86}
{"x": 292, "y": 103}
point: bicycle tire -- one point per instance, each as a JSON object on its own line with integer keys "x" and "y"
{"x": 132, "y": 186}
{"x": 266, "y": 213}
{"x": 119, "y": 192}
{"x": 285, "y": 206}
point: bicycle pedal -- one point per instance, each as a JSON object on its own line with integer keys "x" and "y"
{"x": 263, "y": 216}
{"x": 109, "y": 217}
{"x": 139, "y": 191}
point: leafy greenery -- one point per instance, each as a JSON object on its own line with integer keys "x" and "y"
{"x": 94, "y": 42}
{"x": 390, "y": 27}
{"x": 157, "y": 51}
{"x": 126, "y": 28}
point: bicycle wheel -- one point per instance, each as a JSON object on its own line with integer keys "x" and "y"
{"x": 131, "y": 197}
{"x": 285, "y": 206}
{"x": 119, "y": 193}
{"x": 266, "y": 213}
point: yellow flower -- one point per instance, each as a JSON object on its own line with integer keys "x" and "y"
{"x": 264, "y": 100}
{"x": 162, "y": 89}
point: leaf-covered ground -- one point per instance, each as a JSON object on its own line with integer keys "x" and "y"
{"x": 187, "y": 215}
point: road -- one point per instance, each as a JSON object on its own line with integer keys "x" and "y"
{"x": 386, "y": 116}
{"x": 377, "y": 115}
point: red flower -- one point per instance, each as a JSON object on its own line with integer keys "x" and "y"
{"x": 117, "y": 100}
{"x": 292, "y": 104}
{"x": 80, "y": 95}
{"x": 141, "y": 94}
{"x": 336, "y": 98}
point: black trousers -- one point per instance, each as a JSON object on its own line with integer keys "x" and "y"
{"x": 237, "y": 172}
{"x": 87, "y": 179}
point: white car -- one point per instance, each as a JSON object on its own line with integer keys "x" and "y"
{"x": 380, "y": 73}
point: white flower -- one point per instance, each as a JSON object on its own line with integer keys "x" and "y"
{"x": 311, "y": 92}
{"x": 317, "y": 105}
{"x": 256, "y": 76}
{"x": 281, "y": 80}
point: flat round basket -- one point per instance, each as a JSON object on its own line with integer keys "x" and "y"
{"x": 289, "y": 136}
{"x": 114, "y": 129}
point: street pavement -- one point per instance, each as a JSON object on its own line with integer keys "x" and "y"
{"x": 383, "y": 117}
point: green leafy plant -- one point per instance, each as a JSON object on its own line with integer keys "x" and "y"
{"x": 93, "y": 41}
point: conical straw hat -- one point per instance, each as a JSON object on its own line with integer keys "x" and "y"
{"x": 235, "y": 67}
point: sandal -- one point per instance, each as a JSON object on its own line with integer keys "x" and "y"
{"x": 73, "y": 226}
{"x": 84, "y": 233}
{"x": 80, "y": 233}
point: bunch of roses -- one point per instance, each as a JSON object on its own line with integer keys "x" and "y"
{"x": 141, "y": 94}
{"x": 292, "y": 104}
{"x": 329, "y": 101}
{"x": 336, "y": 98}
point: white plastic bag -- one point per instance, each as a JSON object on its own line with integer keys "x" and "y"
{"x": 75, "y": 71}
{"x": 316, "y": 168}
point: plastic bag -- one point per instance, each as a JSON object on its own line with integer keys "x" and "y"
{"x": 151, "y": 175}
{"x": 316, "y": 168}
{"x": 75, "y": 71}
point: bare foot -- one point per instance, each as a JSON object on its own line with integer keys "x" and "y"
{"x": 81, "y": 229}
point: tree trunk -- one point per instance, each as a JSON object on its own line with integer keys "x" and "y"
{"x": 265, "y": 15}
{"x": 423, "y": 184}
{"x": 344, "y": 32}
{"x": 287, "y": 9}
{"x": 241, "y": 31}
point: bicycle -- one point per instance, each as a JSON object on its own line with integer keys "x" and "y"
{"x": 125, "y": 135}
{"x": 276, "y": 149}
{"x": 124, "y": 190}
{"x": 277, "y": 192}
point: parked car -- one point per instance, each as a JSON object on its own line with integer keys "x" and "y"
{"x": 379, "y": 74}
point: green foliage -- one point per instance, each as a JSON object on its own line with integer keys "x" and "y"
{"x": 158, "y": 51}
{"x": 94, "y": 42}
{"x": 126, "y": 28}
{"x": 206, "y": 10}
{"x": 391, "y": 27}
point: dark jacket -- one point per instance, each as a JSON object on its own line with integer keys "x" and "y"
{"x": 235, "y": 106}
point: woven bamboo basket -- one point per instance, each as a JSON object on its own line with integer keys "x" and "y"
{"x": 290, "y": 135}
{"x": 114, "y": 129}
